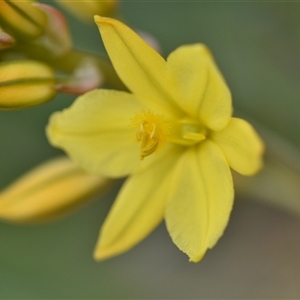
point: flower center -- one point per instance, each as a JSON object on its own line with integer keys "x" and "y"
{"x": 151, "y": 131}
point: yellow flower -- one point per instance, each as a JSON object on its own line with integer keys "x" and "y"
{"x": 175, "y": 137}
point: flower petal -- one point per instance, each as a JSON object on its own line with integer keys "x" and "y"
{"x": 202, "y": 90}
{"x": 241, "y": 145}
{"x": 95, "y": 131}
{"x": 201, "y": 200}
{"x": 139, "y": 66}
{"x": 138, "y": 209}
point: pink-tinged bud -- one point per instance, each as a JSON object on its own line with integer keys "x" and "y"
{"x": 22, "y": 19}
{"x": 49, "y": 191}
{"x": 86, "y": 9}
{"x": 25, "y": 83}
{"x": 6, "y": 40}
{"x": 57, "y": 37}
{"x": 85, "y": 77}
{"x": 150, "y": 40}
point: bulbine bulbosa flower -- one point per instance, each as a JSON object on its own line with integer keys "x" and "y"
{"x": 173, "y": 134}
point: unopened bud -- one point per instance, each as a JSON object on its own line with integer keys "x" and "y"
{"x": 6, "y": 40}
{"x": 25, "y": 83}
{"x": 84, "y": 78}
{"x": 86, "y": 9}
{"x": 22, "y": 19}
{"x": 57, "y": 36}
{"x": 49, "y": 191}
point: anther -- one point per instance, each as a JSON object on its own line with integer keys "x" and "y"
{"x": 151, "y": 131}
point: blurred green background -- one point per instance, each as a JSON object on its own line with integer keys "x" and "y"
{"x": 257, "y": 47}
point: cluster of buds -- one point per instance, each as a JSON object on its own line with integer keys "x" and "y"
{"x": 35, "y": 46}
{"x": 37, "y": 61}
{"x": 24, "y": 81}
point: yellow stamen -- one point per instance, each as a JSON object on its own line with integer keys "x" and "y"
{"x": 187, "y": 132}
{"x": 193, "y": 136}
{"x": 151, "y": 132}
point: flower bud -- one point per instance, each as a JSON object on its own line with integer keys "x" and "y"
{"x": 84, "y": 78}
{"x": 85, "y": 9}
{"x": 25, "y": 83}
{"x": 49, "y": 191}
{"x": 57, "y": 37}
{"x": 22, "y": 19}
{"x": 6, "y": 40}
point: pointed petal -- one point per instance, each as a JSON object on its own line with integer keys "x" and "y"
{"x": 201, "y": 200}
{"x": 241, "y": 145}
{"x": 139, "y": 66}
{"x": 138, "y": 209}
{"x": 95, "y": 131}
{"x": 202, "y": 90}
